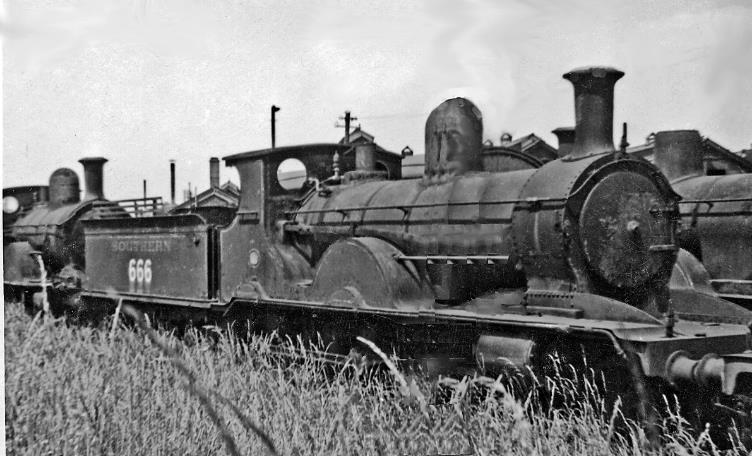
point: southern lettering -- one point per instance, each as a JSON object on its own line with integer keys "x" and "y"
{"x": 135, "y": 245}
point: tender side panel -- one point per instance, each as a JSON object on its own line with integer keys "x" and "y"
{"x": 161, "y": 256}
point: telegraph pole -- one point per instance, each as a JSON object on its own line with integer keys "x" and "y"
{"x": 348, "y": 118}
{"x": 274, "y": 121}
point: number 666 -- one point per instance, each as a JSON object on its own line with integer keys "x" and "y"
{"x": 139, "y": 272}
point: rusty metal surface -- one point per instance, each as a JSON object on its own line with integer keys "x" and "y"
{"x": 721, "y": 230}
{"x": 367, "y": 272}
{"x": 170, "y": 256}
{"x": 454, "y": 137}
{"x": 460, "y": 217}
{"x": 538, "y": 235}
{"x": 594, "y": 110}
{"x": 560, "y": 248}
{"x": 618, "y": 229}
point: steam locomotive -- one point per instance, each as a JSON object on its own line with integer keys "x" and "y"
{"x": 50, "y": 230}
{"x": 482, "y": 268}
{"x": 715, "y": 228}
{"x": 716, "y": 216}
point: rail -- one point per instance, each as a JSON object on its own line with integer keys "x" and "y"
{"x": 128, "y": 208}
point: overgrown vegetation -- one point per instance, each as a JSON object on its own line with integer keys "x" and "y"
{"x": 78, "y": 390}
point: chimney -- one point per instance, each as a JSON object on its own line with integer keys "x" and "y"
{"x": 93, "y": 181}
{"x": 214, "y": 172}
{"x": 678, "y": 153}
{"x": 594, "y": 109}
{"x": 565, "y": 135}
{"x": 172, "y": 181}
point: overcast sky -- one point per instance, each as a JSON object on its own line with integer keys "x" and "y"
{"x": 144, "y": 81}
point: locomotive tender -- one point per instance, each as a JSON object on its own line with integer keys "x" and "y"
{"x": 493, "y": 268}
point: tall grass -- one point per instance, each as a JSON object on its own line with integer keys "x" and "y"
{"x": 77, "y": 390}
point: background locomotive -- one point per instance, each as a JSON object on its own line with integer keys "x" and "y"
{"x": 715, "y": 230}
{"x": 716, "y": 224}
{"x": 52, "y": 227}
{"x": 17, "y": 201}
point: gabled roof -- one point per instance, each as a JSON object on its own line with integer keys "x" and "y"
{"x": 529, "y": 142}
{"x": 216, "y": 196}
{"x": 230, "y": 187}
{"x": 358, "y": 136}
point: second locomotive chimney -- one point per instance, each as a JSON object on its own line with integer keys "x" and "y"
{"x": 214, "y": 172}
{"x": 565, "y": 135}
{"x": 93, "y": 180}
{"x": 678, "y": 153}
{"x": 594, "y": 109}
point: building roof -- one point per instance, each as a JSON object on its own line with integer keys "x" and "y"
{"x": 712, "y": 152}
{"x": 358, "y": 136}
{"x": 225, "y": 195}
{"x": 230, "y": 187}
{"x": 534, "y": 145}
